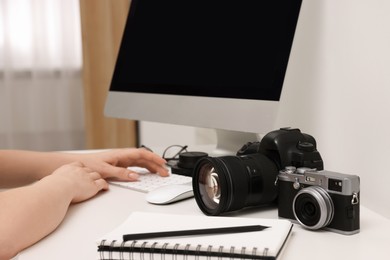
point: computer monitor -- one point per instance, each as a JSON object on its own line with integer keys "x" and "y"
{"x": 216, "y": 64}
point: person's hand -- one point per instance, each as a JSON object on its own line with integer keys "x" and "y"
{"x": 112, "y": 164}
{"x": 79, "y": 182}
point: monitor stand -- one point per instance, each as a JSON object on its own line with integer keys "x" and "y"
{"x": 229, "y": 142}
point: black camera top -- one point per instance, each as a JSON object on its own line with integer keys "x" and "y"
{"x": 287, "y": 147}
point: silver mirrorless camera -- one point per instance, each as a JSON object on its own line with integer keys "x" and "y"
{"x": 320, "y": 199}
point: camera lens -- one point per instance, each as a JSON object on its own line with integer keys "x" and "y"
{"x": 313, "y": 207}
{"x": 230, "y": 183}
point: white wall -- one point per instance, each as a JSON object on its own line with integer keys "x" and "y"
{"x": 339, "y": 83}
{"x": 337, "y": 89}
{"x": 163, "y": 135}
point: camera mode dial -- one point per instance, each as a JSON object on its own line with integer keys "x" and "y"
{"x": 306, "y": 146}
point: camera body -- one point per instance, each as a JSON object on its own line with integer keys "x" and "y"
{"x": 287, "y": 147}
{"x": 320, "y": 199}
{"x": 229, "y": 183}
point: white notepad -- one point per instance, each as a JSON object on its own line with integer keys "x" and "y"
{"x": 265, "y": 244}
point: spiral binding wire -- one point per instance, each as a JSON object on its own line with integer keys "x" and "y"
{"x": 135, "y": 250}
{"x": 138, "y": 250}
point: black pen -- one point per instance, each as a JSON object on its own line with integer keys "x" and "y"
{"x": 194, "y": 232}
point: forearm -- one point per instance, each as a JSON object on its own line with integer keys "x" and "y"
{"x": 19, "y": 168}
{"x": 30, "y": 213}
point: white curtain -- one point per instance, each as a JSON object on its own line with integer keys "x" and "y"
{"x": 41, "y": 103}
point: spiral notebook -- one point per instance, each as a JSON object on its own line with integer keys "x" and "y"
{"x": 265, "y": 244}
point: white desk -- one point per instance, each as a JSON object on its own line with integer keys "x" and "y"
{"x": 76, "y": 236}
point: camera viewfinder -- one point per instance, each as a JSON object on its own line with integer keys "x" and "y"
{"x": 335, "y": 185}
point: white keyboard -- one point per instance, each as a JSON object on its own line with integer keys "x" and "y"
{"x": 149, "y": 181}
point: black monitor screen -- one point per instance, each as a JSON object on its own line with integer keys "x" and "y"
{"x": 216, "y": 48}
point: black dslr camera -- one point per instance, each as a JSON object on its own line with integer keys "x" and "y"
{"x": 229, "y": 183}
{"x": 320, "y": 199}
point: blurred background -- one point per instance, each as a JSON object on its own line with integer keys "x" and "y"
{"x": 56, "y": 61}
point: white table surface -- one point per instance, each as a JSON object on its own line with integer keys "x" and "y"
{"x": 76, "y": 237}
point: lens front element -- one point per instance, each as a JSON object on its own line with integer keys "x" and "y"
{"x": 209, "y": 186}
{"x": 313, "y": 207}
